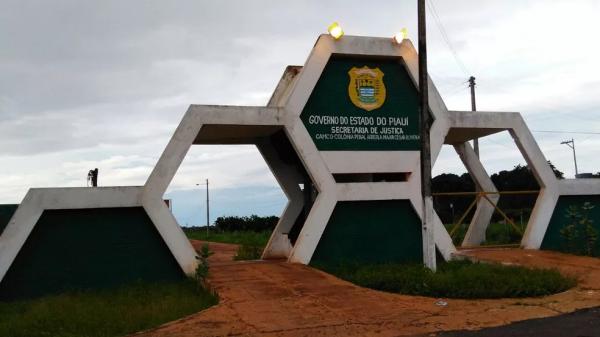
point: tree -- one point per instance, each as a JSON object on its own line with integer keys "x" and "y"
{"x": 448, "y": 207}
{"x": 557, "y": 173}
{"x": 520, "y": 178}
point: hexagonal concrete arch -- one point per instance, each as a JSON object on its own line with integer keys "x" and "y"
{"x": 60, "y": 214}
{"x": 484, "y": 210}
{"x": 466, "y": 125}
{"x": 323, "y": 164}
{"x": 284, "y": 111}
{"x": 251, "y": 125}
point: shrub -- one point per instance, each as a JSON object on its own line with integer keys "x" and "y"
{"x": 502, "y": 233}
{"x": 246, "y": 223}
{"x": 247, "y": 252}
{"x": 496, "y": 234}
{"x": 203, "y": 266}
{"x": 251, "y": 238}
{"x": 456, "y": 279}
{"x": 580, "y": 236}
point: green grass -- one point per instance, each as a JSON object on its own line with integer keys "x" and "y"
{"x": 256, "y": 239}
{"x": 246, "y": 252}
{"x": 499, "y": 234}
{"x": 496, "y": 234}
{"x": 251, "y": 243}
{"x": 456, "y": 279}
{"x": 103, "y": 313}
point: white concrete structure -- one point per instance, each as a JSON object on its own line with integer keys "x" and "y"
{"x": 225, "y": 125}
{"x": 485, "y": 210}
{"x": 38, "y": 200}
{"x": 467, "y": 125}
{"x": 208, "y": 124}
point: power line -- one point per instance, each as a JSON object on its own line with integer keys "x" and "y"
{"x": 574, "y": 132}
{"x": 560, "y": 110}
{"x": 457, "y": 91}
{"x": 443, "y": 82}
{"x": 508, "y": 146}
{"x": 585, "y": 139}
{"x": 462, "y": 85}
{"x": 445, "y": 37}
{"x": 444, "y": 34}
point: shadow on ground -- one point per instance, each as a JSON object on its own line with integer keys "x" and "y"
{"x": 581, "y": 323}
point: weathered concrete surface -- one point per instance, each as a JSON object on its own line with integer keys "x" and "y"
{"x": 283, "y": 299}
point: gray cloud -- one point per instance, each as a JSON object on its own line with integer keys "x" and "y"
{"x": 104, "y": 83}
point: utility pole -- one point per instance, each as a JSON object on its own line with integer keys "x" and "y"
{"x": 427, "y": 221}
{"x": 474, "y": 108}
{"x": 207, "y": 207}
{"x": 571, "y": 144}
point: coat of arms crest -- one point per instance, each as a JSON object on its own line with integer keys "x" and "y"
{"x": 366, "y": 88}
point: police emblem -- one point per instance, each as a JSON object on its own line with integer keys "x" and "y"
{"x": 366, "y": 88}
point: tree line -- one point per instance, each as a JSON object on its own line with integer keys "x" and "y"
{"x": 517, "y": 207}
{"x": 253, "y": 223}
{"x": 449, "y": 208}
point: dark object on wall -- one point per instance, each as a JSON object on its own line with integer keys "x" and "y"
{"x": 92, "y": 177}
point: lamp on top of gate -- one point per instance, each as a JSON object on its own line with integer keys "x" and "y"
{"x": 400, "y": 36}
{"x": 335, "y": 30}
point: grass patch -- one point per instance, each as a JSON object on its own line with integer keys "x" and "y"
{"x": 496, "y": 234}
{"x": 455, "y": 279}
{"x": 501, "y": 234}
{"x": 246, "y": 252}
{"x": 251, "y": 243}
{"x": 250, "y": 238}
{"x": 115, "y": 312}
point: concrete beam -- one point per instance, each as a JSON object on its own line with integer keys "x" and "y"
{"x": 483, "y": 213}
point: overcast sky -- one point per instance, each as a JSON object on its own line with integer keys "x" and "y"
{"x": 104, "y": 84}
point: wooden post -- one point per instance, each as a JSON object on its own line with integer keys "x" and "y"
{"x": 427, "y": 220}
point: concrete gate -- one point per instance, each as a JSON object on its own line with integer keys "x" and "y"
{"x": 340, "y": 134}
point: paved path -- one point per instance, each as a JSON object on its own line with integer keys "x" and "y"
{"x": 581, "y": 323}
{"x": 280, "y": 299}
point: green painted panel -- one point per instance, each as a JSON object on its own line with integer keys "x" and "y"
{"x": 371, "y": 232}
{"x": 553, "y": 240}
{"x": 336, "y": 122}
{"x": 6, "y": 212}
{"x": 89, "y": 249}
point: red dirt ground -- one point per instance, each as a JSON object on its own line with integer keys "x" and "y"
{"x": 275, "y": 298}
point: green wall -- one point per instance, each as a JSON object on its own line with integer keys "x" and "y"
{"x": 6, "y": 212}
{"x": 89, "y": 249}
{"x": 553, "y": 240}
{"x": 371, "y": 232}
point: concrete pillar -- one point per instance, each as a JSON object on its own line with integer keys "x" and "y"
{"x": 483, "y": 213}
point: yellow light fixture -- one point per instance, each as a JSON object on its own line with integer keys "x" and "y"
{"x": 400, "y": 36}
{"x": 335, "y": 30}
